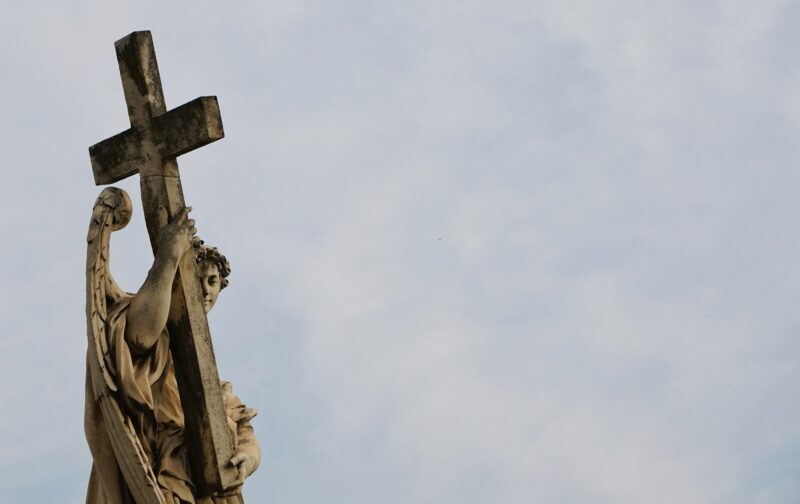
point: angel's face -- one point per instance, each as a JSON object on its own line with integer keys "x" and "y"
{"x": 211, "y": 282}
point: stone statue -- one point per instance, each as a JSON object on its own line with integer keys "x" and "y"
{"x": 134, "y": 421}
{"x": 161, "y": 426}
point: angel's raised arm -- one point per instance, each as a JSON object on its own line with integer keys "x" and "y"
{"x": 149, "y": 309}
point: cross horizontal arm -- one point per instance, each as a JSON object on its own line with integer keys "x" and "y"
{"x": 188, "y": 127}
{"x": 181, "y": 130}
{"x": 117, "y": 157}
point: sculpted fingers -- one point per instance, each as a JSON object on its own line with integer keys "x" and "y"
{"x": 176, "y": 237}
{"x": 242, "y": 475}
{"x": 239, "y": 460}
{"x": 186, "y": 225}
{"x": 183, "y": 214}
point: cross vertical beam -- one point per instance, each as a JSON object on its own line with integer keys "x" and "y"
{"x": 149, "y": 147}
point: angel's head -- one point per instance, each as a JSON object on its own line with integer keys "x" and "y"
{"x": 214, "y": 269}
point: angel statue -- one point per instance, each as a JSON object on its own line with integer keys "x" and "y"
{"x": 134, "y": 422}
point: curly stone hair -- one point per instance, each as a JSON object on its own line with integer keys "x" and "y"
{"x": 203, "y": 252}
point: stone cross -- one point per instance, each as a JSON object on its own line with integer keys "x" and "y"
{"x": 156, "y": 137}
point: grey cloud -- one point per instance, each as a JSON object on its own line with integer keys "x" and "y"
{"x": 519, "y": 252}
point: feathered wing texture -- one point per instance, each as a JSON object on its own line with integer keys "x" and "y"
{"x": 112, "y": 211}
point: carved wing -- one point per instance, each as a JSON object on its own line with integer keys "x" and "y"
{"x": 112, "y": 211}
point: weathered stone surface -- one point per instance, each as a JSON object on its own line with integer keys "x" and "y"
{"x": 149, "y": 147}
{"x": 181, "y": 130}
{"x": 134, "y": 420}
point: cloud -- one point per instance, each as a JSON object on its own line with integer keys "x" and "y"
{"x": 512, "y": 253}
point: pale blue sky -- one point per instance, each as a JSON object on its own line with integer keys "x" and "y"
{"x": 483, "y": 252}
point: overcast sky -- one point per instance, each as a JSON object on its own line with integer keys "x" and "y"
{"x": 483, "y": 252}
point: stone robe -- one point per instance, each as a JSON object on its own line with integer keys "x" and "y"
{"x": 148, "y": 393}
